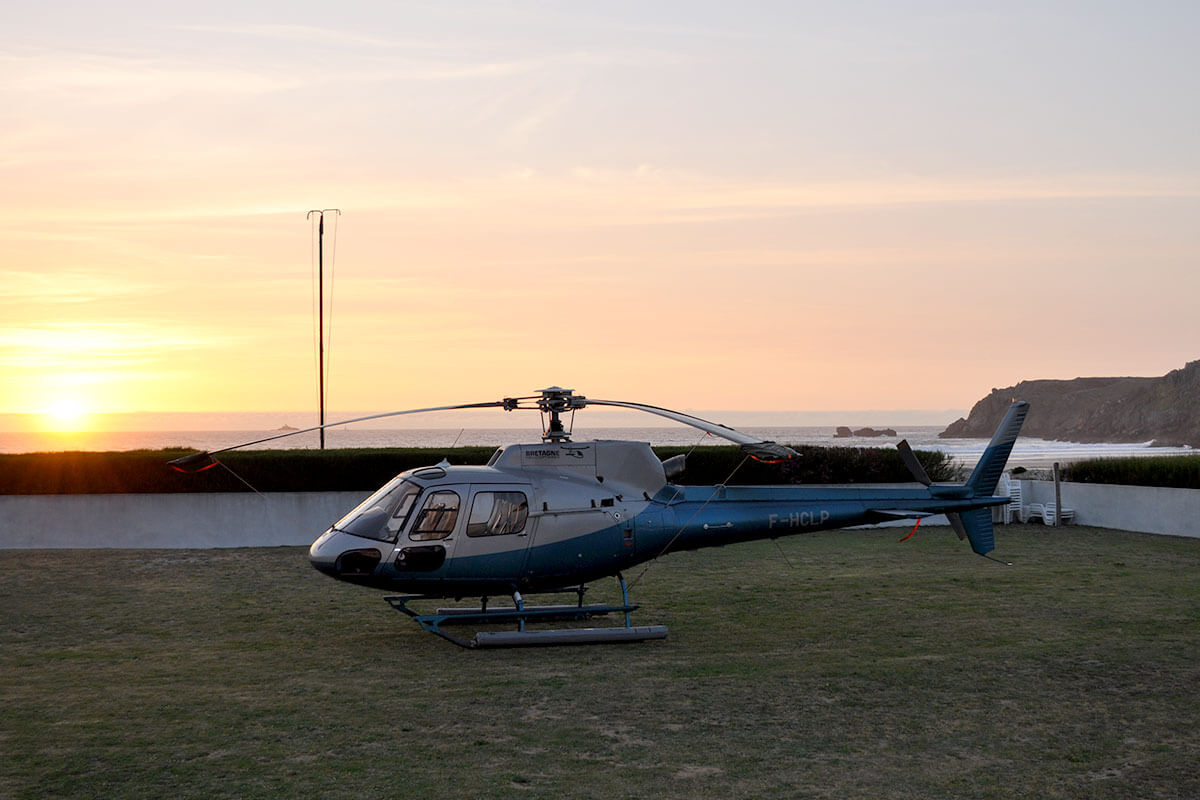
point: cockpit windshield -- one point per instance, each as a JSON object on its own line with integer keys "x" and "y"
{"x": 383, "y": 514}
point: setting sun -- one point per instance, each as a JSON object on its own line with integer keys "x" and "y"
{"x": 65, "y": 416}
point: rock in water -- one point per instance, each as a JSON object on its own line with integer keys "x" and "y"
{"x": 844, "y": 432}
{"x": 872, "y": 432}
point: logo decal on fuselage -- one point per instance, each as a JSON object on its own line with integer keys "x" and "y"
{"x": 579, "y": 455}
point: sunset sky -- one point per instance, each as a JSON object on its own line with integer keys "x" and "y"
{"x": 792, "y": 205}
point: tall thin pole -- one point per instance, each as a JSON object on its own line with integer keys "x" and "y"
{"x": 321, "y": 312}
{"x": 321, "y": 321}
{"x": 1057, "y": 497}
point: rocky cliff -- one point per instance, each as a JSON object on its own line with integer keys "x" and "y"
{"x": 1164, "y": 410}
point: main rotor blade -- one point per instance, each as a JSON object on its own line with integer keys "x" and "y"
{"x": 760, "y": 448}
{"x": 910, "y": 460}
{"x": 192, "y": 460}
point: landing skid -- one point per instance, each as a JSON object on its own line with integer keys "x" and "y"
{"x": 523, "y": 614}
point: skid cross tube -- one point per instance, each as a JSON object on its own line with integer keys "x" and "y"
{"x": 523, "y": 614}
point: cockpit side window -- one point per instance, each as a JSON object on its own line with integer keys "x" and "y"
{"x": 497, "y": 513}
{"x": 437, "y": 517}
{"x": 404, "y": 507}
{"x": 382, "y": 515}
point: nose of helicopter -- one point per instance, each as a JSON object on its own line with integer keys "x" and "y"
{"x": 343, "y": 556}
{"x": 323, "y": 553}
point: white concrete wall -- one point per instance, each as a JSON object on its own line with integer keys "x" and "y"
{"x": 170, "y": 520}
{"x": 1150, "y": 509}
{"x": 297, "y": 518}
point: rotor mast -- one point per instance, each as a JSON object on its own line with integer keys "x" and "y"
{"x": 554, "y": 402}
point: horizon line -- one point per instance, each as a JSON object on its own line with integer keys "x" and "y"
{"x": 599, "y": 418}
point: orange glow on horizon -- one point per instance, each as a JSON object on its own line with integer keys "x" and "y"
{"x": 66, "y": 416}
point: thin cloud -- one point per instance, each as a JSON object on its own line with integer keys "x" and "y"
{"x": 132, "y": 80}
{"x": 591, "y": 196}
{"x": 65, "y": 345}
{"x": 68, "y": 287}
{"x": 308, "y": 34}
{"x": 533, "y": 121}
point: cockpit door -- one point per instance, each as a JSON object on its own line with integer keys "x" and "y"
{"x": 495, "y": 534}
{"x": 430, "y": 537}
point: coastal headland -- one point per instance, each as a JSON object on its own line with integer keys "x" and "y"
{"x": 1164, "y": 410}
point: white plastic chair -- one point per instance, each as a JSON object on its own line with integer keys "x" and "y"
{"x": 1066, "y": 515}
{"x": 1014, "y": 509}
{"x": 1045, "y": 512}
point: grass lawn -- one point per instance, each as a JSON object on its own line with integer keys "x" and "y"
{"x": 842, "y": 664}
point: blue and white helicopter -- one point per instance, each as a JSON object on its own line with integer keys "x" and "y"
{"x": 554, "y": 516}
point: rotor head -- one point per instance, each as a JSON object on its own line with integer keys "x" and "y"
{"x": 556, "y": 401}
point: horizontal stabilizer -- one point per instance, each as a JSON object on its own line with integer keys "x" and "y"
{"x": 899, "y": 513}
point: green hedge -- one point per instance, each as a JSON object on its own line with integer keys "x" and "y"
{"x": 1177, "y": 472}
{"x": 713, "y": 465}
{"x": 146, "y": 471}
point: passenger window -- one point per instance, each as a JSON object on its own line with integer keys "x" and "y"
{"x": 437, "y": 517}
{"x": 497, "y": 513}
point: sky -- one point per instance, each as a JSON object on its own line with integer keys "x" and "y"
{"x": 757, "y": 205}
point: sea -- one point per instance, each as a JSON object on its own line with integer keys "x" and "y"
{"x": 1033, "y": 454}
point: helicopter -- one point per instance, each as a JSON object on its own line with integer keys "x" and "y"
{"x": 554, "y": 516}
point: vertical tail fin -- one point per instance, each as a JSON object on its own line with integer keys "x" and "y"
{"x": 983, "y": 480}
